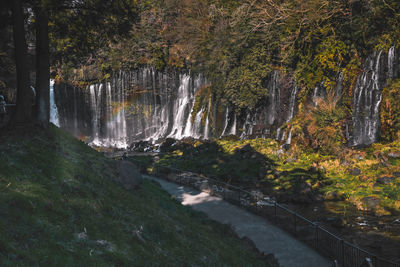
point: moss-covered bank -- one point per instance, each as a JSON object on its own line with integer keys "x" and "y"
{"x": 368, "y": 178}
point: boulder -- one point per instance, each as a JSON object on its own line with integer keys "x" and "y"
{"x": 394, "y": 155}
{"x": 141, "y": 146}
{"x": 167, "y": 145}
{"x": 205, "y": 186}
{"x": 332, "y": 196}
{"x": 385, "y": 180}
{"x": 290, "y": 160}
{"x": 370, "y": 203}
{"x": 280, "y": 152}
{"x": 128, "y": 175}
{"x": 359, "y": 157}
{"x": 305, "y": 188}
{"x": 303, "y": 193}
{"x": 173, "y": 177}
{"x": 355, "y": 171}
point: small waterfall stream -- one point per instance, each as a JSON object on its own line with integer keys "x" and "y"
{"x": 53, "y": 107}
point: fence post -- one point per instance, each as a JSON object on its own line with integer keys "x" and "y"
{"x": 375, "y": 261}
{"x": 342, "y": 246}
{"x": 295, "y": 223}
{"x": 256, "y": 205}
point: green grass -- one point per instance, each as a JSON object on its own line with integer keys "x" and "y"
{"x": 53, "y": 187}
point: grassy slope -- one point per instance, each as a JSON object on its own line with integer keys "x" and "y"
{"x": 53, "y": 187}
{"x": 284, "y": 170}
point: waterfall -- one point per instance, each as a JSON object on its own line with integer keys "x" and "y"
{"x": 53, "y": 107}
{"x": 181, "y": 108}
{"x": 95, "y": 96}
{"x": 391, "y": 62}
{"x": 229, "y": 123}
{"x": 233, "y": 128}
{"x": 315, "y": 96}
{"x": 368, "y": 96}
{"x": 274, "y": 101}
{"x": 292, "y": 104}
{"x": 138, "y": 105}
{"x": 146, "y": 104}
{"x": 207, "y": 122}
{"x": 289, "y": 139}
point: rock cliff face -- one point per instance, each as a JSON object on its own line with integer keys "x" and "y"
{"x": 146, "y": 104}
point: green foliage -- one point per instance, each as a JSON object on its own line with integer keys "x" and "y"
{"x": 390, "y": 111}
{"x": 322, "y": 64}
{"x": 244, "y": 84}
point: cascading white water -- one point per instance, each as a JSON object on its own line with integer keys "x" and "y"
{"x": 367, "y": 98}
{"x": 207, "y": 122}
{"x": 139, "y": 105}
{"x": 391, "y": 62}
{"x": 315, "y": 96}
{"x": 229, "y": 127}
{"x": 146, "y": 104}
{"x": 53, "y": 107}
{"x": 226, "y": 121}
{"x": 182, "y": 107}
{"x": 292, "y": 104}
{"x": 95, "y": 96}
{"x": 233, "y": 128}
{"x": 274, "y": 98}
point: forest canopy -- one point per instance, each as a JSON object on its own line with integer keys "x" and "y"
{"x": 236, "y": 44}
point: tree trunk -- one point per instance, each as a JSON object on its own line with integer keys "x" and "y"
{"x": 24, "y": 95}
{"x": 42, "y": 67}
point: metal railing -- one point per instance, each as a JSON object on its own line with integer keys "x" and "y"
{"x": 328, "y": 244}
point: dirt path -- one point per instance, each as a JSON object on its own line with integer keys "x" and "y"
{"x": 267, "y": 237}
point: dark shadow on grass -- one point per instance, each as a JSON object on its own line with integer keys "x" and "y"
{"x": 243, "y": 166}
